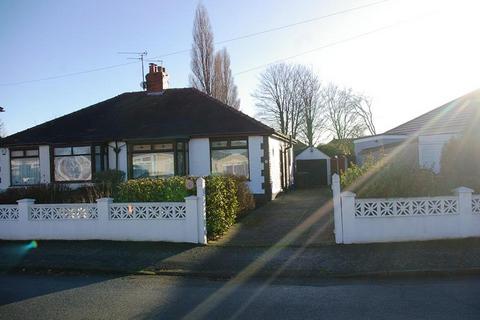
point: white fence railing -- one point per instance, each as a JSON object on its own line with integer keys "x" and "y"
{"x": 404, "y": 219}
{"x": 105, "y": 220}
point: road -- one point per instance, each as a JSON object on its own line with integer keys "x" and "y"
{"x": 159, "y": 297}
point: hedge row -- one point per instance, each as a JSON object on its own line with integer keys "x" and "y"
{"x": 227, "y": 197}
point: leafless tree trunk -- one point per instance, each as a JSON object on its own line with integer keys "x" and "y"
{"x": 313, "y": 118}
{"x": 202, "y": 52}
{"x": 224, "y": 88}
{"x": 364, "y": 110}
{"x": 341, "y": 107}
{"x": 278, "y": 100}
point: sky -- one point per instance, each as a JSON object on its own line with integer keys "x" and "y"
{"x": 408, "y": 56}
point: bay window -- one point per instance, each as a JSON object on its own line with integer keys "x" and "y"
{"x": 24, "y": 167}
{"x": 229, "y": 156}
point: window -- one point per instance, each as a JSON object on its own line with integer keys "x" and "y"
{"x": 72, "y": 163}
{"x": 158, "y": 159}
{"x": 229, "y": 156}
{"x": 24, "y": 167}
{"x": 153, "y": 160}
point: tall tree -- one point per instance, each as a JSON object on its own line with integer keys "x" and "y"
{"x": 277, "y": 98}
{"x": 313, "y": 119}
{"x": 224, "y": 88}
{"x": 202, "y": 53}
{"x": 341, "y": 106}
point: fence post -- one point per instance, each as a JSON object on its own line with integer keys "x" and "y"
{"x": 201, "y": 211}
{"x": 24, "y": 208}
{"x": 103, "y": 208}
{"x": 337, "y": 209}
{"x": 465, "y": 210}
{"x": 348, "y": 216}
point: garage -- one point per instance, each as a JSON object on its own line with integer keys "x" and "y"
{"x": 312, "y": 168}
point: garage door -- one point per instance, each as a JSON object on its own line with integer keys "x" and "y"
{"x": 311, "y": 173}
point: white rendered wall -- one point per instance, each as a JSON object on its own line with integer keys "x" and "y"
{"x": 312, "y": 154}
{"x": 44, "y": 155}
{"x": 199, "y": 157}
{"x": 372, "y": 142}
{"x": 405, "y": 219}
{"x": 122, "y": 157}
{"x": 4, "y": 168}
{"x": 255, "y": 154}
{"x": 275, "y": 174}
{"x": 430, "y": 150}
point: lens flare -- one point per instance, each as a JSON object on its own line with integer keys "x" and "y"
{"x": 31, "y": 245}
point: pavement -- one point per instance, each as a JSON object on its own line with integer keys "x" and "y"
{"x": 158, "y": 297}
{"x": 289, "y": 237}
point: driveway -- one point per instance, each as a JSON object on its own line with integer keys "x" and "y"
{"x": 297, "y": 218}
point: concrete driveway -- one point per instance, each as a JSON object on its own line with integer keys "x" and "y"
{"x": 297, "y": 218}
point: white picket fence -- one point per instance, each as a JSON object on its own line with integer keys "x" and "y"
{"x": 106, "y": 220}
{"x": 404, "y": 219}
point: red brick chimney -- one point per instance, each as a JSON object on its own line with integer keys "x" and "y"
{"x": 157, "y": 78}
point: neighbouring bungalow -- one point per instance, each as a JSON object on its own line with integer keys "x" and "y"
{"x": 422, "y": 139}
{"x": 159, "y": 132}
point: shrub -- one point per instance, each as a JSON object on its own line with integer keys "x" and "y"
{"x": 395, "y": 179}
{"x": 245, "y": 199}
{"x": 50, "y": 193}
{"x": 153, "y": 189}
{"x": 222, "y": 204}
{"x": 460, "y": 162}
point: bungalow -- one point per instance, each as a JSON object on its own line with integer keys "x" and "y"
{"x": 422, "y": 139}
{"x": 154, "y": 133}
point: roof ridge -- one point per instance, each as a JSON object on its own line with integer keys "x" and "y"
{"x": 244, "y": 115}
{"x": 465, "y": 96}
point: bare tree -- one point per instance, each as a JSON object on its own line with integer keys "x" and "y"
{"x": 313, "y": 118}
{"x": 202, "y": 52}
{"x": 277, "y": 98}
{"x": 341, "y": 106}
{"x": 224, "y": 88}
{"x": 364, "y": 110}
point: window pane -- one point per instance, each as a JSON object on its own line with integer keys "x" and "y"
{"x": 31, "y": 153}
{"x": 77, "y": 168}
{"x": 98, "y": 163}
{"x": 180, "y": 164}
{"x": 25, "y": 171}
{"x": 142, "y": 147}
{"x": 239, "y": 143}
{"x": 63, "y": 151}
{"x": 219, "y": 144}
{"x": 163, "y": 146}
{"x": 98, "y": 149}
{"x": 153, "y": 164}
{"x": 18, "y": 153}
{"x": 82, "y": 150}
{"x": 231, "y": 161}
{"x": 180, "y": 145}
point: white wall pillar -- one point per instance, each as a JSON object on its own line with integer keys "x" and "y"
{"x": 465, "y": 210}
{"x": 348, "y": 216}
{"x": 103, "y": 208}
{"x": 24, "y": 209}
{"x": 201, "y": 211}
{"x": 337, "y": 209}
